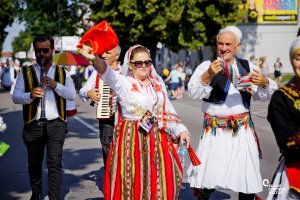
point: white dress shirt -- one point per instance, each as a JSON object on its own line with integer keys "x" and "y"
{"x": 66, "y": 91}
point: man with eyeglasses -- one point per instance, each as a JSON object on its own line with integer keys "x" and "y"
{"x": 229, "y": 148}
{"x": 42, "y": 89}
{"x": 91, "y": 91}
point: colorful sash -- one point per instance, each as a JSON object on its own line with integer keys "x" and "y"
{"x": 229, "y": 123}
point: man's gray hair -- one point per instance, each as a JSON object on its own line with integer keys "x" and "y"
{"x": 233, "y": 29}
{"x": 118, "y": 48}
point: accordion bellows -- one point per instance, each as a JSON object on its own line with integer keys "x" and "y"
{"x": 101, "y": 37}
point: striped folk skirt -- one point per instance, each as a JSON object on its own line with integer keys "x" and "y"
{"x": 142, "y": 165}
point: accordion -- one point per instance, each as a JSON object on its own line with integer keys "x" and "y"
{"x": 107, "y": 105}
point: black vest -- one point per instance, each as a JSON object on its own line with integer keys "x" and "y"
{"x": 31, "y": 81}
{"x": 220, "y": 82}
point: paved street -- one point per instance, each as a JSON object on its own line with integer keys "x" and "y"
{"x": 82, "y": 157}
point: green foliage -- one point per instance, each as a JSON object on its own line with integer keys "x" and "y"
{"x": 179, "y": 24}
{"x": 23, "y": 41}
{"x": 49, "y": 17}
{"x": 6, "y": 18}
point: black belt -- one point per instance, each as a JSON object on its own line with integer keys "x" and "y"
{"x": 43, "y": 122}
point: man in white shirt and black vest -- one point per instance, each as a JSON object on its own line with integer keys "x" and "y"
{"x": 90, "y": 91}
{"x": 42, "y": 89}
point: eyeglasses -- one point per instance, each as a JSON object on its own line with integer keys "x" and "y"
{"x": 39, "y": 50}
{"x": 139, "y": 64}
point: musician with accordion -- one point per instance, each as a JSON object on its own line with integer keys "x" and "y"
{"x": 103, "y": 99}
{"x": 42, "y": 89}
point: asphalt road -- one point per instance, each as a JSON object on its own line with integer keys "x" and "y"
{"x": 82, "y": 157}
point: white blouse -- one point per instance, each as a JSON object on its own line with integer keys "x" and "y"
{"x": 233, "y": 103}
{"x": 136, "y": 99}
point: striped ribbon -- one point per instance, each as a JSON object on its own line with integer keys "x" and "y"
{"x": 230, "y": 72}
{"x": 241, "y": 83}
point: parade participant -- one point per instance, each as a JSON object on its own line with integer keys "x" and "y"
{"x": 43, "y": 96}
{"x": 284, "y": 115}
{"x": 277, "y": 70}
{"x": 106, "y": 126}
{"x": 228, "y": 148}
{"x": 143, "y": 163}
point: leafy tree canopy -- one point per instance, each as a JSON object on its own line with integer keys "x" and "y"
{"x": 179, "y": 24}
{"x": 57, "y": 18}
{"x": 6, "y": 18}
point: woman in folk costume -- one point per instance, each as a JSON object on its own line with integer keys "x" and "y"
{"x": 284, "y": 117}
{"x": 143, "y": 163}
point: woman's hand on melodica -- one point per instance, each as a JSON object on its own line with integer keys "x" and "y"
{"x": 87, "y": 52}
{"x": 185, "y": 136}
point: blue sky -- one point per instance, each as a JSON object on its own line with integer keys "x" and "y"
{"x": 13, "y": 31}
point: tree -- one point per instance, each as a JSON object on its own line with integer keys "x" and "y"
{"x": 22, "y": 42}
{"x": 6, "y": 18}
{"x": 189, "y": 24}
{"x": 57, "y": 18}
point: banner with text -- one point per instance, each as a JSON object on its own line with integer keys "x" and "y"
{"x": 270, "y": 11}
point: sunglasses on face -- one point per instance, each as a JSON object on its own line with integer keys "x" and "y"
{"x": 139, "y": 64}
{"x": 44, "y": 50}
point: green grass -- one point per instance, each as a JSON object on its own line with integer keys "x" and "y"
{"x": 287, "y": 77}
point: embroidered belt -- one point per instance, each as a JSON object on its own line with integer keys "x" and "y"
{"x": 229, "y": 123}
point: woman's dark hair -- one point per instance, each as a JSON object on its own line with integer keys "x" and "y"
{"x": 43, "y": 38}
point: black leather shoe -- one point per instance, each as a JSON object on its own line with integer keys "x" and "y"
{"x": 35, "y": 196}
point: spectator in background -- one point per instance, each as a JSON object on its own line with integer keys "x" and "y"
{"x": 188, "y": 71}
{"x": 264, "y": 66}
{"x": 277, "y": 71}
{"x": 16, "y": 69}
{"x": 165, "y": 73}
{"x": 181, "y": 85}
{"x": 174, "y": 77}
{"x": 7, "y": 76}
{"x": 252, "y": 60}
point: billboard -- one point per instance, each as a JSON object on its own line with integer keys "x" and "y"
{"x": 270, "y": 11}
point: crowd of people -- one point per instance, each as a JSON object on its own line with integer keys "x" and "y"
{"x": 141, "y": 132}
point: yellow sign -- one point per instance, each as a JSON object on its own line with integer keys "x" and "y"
{"x": 270, "y": 11}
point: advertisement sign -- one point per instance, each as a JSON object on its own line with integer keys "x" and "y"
{"x": 270, "y": 11}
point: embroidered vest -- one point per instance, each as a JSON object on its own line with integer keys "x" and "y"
{"x": 31, "y": 81}
{"x": 221, "y": 84}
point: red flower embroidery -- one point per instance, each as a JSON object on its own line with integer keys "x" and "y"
{"x": 157, "y": 87}
{"x": 134, "y": 88}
